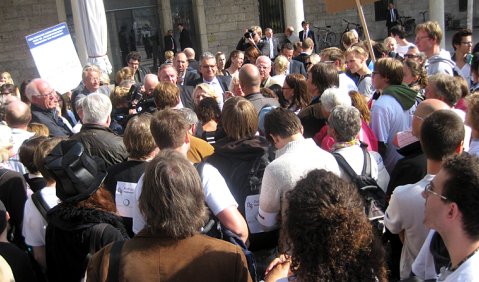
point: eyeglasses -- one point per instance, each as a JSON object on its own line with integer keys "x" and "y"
{"x": 418, "y": 117}
{"x": 467, "y": 43}
{"x": 410, "y": 56}
{"x": 428, "y": 190}
{"x": 421, "y": 37}
{"x": 50, "y": 93}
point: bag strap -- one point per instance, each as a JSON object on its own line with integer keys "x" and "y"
{"x": 40, "y": 203}
{"x": 3, "y": 172}
{"x": 96, "y": 234}
{"x": 345, "y": 166}
{"x": 367, "y": 163}
{"x": 114, "y": 264}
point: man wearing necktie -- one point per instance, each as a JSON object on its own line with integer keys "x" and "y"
{"x": 306, "y": 32}
{"x": 391, "y": 17}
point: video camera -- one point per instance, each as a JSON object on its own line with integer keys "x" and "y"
{"x": 139, "y": 101}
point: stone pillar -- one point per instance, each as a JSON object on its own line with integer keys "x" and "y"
{"x": 164, "y": 13}
{"x": 293, "y": 14}
{"x": 200, "y": 18}
{"x": 470, "y": 14}
{"x": 436, "y": 13}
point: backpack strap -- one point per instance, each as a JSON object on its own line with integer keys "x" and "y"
{"x": 114, "y": 264}
{"x": 367, "y": 163}
{"x": 345, "y": 166}
{"x": 40, "y": 203}
{"x": 96, "y": 234}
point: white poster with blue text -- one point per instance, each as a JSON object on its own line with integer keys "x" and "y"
{"x": 55, "y": 57}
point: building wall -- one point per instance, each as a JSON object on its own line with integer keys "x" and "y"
{"x": 226, "y": 21}
{"x": 19, "y": 19}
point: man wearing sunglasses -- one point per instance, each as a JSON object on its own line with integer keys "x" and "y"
{"x": 441, "y": 136}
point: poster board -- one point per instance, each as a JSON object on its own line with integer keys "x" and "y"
{"x": 335, "y": 6}
{"x": 55, "y": 57}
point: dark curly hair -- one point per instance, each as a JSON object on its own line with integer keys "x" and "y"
{"x": 328, "y": 233}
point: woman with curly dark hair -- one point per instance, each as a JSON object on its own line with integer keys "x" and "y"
{"x": 328, "y": 235}
{"x": 415, "y": 76}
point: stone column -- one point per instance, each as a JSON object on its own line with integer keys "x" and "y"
{"x": 293, "y": 14}
{"x": 470, "y": 14}
{"x": 164, "y": 13}
{"x": 200, "y": 17}
{"x": 436, "y": 13}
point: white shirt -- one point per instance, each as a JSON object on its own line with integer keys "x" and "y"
{"x": 406, "y": 212}
{"x": 388, "y": 118}
{"x": 468, "y": 271}
{"x": 34, "y": 225}
{"x": 217, "y": 195}
{"x": 292, "y": 162}
{"x": 215, "y": 85}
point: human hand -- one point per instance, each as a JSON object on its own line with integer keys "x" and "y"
{"x": 277, "y": 269}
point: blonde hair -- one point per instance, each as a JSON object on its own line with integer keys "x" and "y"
{"x": 358, "y": 51}
{"x": 9, "y": 77}
{"x": 432, "y": 29}
{"x": 209, "y": 92}
{"x": 169, "y": 55}
{"x": 281, "y": 64}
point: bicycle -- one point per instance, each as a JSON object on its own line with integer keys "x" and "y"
{"x": 408, "y": 23}
{"x": 423, "y": 14}
{"x": 357, "y": 27}
{"x": 326, "y": 37}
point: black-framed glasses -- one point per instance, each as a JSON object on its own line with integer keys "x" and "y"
{"x": 428, "y": 190}
{"x": 410, "y": 56}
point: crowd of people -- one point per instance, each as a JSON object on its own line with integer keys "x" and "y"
{"x": 249, "y": 166}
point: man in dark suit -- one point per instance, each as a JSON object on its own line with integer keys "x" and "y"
{"x": 185, "y": 77}
{"x": 306, "y": 33}
{"x": 185, "y": 40}
{"x": 170, "y": 44}
{"x": 193, "y": 64}
{"x": 271, "y": 45}
{"x": 392, "y": 17}
{"x": 208, "y": 70}
{"x": 307, "y": 47}
{"x": 167, "y": 73}
{"x": 294, "y": 66}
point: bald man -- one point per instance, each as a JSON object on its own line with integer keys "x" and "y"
{"x": 412, "y": 167}
{"x": 250, "y": 82}
{"x": 18, "y": 116}
{"x": 149, "y": 84}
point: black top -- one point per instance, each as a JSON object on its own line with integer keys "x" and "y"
{"x": 13, "y": 195}
{"x": 19, "y": 262}
{"x": 50, "y": 118}
{"x": 35, "y": 183}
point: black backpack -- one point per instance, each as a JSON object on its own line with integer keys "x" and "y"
{"x": 215, "y": 229}
{"x": 374, "y": 197}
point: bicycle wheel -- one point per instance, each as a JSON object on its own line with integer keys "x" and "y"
{"x": 410, "y": 27}
{"x": 330, "y": 39}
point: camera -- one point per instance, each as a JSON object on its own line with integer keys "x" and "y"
{"x": 249, "y": 34}
{"x": 140, "y": 102}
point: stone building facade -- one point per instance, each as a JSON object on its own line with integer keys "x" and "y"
{"x": 216, "y": 25}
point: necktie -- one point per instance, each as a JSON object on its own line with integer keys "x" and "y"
{"x": 392, "y": 16}
{"x": 305, "y": 35}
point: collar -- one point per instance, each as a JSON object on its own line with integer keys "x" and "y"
{"x": 39, "y": 109}
{"x": 213, "y": 81}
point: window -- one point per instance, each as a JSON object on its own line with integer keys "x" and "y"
{"x": 462, "y": 5}
{"x": 380, "y": 10}
{"x": 271, "y": 14}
